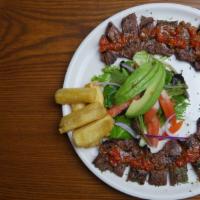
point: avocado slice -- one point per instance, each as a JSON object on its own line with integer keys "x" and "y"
{"x": 140, "y": 87}
{"x": 132, "y": 81}
{"x": 153, "y": 91}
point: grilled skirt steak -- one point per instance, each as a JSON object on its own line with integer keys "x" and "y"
{"x": 156, "y": 37}
{"x": 137, "y": 175}
{"x": 158, "y": 177}
{"x": 178, "y": 175}
{"x": 146, "y": 22}
{"x": 129, "y": 25}
{"x": 112, "y": 32}
{"x": 196, "y": 166}
{"x": 115, "y": 155}
{"x": 109, "y": 57}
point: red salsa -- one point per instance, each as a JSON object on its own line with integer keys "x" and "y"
{"x": 105, "y": 44}
{"x": 167, "y": 36}
{"x": 189, "y": 156}
{"x": 139, "y": 163}
{"x": 115, "y": 157}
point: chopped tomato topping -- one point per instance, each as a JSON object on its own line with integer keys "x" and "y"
{"x": 103, "y": 43}
{"x": 175, "y": 126}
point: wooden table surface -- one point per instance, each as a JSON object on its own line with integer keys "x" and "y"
{"x": 37, "y": 41}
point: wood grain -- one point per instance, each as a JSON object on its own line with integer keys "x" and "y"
{"x": 37, "y": 41}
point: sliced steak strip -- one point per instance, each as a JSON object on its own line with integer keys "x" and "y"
{"x": 108, "y": 57}
{"x": 183, "y": 32}
{"x": 196, "y": 166}
{"x": 146, "y": 27}
{"x": 154, "y": 47}
{"x": 166, "y": 27}
{"x": 150, "y": 46}
{"x": 191, "y": 143}
{"x": 112, "y": 32}
{"x": 119, "y": 169}
{"x": 130, "y": 49}
{"x": 166, "y": 156}
{"x": 158, "y": 177}
{"x": 163, "y": 49}
{"x": 173, "y": 149}
{"x": 130, "y": 146}
{"x": 138, "y": 176}
{"x": 102, "y": 160}
{"x": 178, "y": 175}
{"x": 145, "y": 22}
{"x": 102, "y": 163}
{"x": 160, "y": 160}
{"x": 167, "y": 23}
{"x": 185, "y": 55}
{"x": 129, "y": 25}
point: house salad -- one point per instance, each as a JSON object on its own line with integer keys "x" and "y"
{"x": 146, "y": 98}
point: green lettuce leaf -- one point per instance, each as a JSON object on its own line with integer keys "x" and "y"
{"x": 109, "y": 93}
{"x": 142, "y": 57}
{"x": 112, "y": 74}
{"x": 118, "y": 132}
{"x": 181, "y": 104}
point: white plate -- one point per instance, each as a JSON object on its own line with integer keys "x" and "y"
{"x": 86, "y": 63}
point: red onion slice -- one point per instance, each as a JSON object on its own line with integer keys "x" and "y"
{"x": 166, "y": 137}
{"x": 128, "y": 129}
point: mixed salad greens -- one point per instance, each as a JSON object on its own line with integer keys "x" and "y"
{"x": 146, "y": 96}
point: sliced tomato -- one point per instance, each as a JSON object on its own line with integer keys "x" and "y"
{"x": 153, "y": 125}
{"x": 153, "y": 128}
{"x": 168, "y": 109}
{"x": 117, "y": 109}
{"x": 150, "y": 114}
{"x": 166, "y": 105}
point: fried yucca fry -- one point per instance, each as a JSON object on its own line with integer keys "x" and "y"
{"x": 77, "y": 106}
{"x": 91, "y": 134}
{"x": 75, "y": 95}
{"x": 99, "y": 97}
{"x": 82, "y": 117}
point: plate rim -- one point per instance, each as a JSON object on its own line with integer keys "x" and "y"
{"x": 65, "y": 83}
